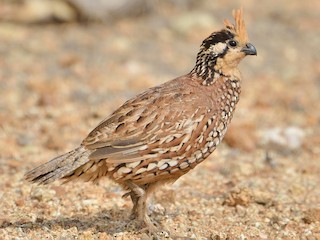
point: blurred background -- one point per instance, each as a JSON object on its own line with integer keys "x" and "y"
{"x": 66, "y": 64}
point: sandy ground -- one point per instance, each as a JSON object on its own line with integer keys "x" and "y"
{"x": 58, "y": 81}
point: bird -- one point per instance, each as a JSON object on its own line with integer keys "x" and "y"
{"x": 161, "y": 134}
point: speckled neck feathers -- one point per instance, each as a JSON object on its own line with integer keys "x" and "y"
{"x": 204, "y": 69}
{"x": 211, "y": 49}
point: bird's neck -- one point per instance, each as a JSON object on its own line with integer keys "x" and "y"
{"x": 209, "y": 68}
{"x": 204, "y": 69}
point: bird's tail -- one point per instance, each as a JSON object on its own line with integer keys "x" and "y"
{"x": 59, "y": 167}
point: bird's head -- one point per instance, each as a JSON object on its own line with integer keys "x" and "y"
{"x": 222, "y": 51}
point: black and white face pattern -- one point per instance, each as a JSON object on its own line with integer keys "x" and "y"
{"x": 218, "y": 43}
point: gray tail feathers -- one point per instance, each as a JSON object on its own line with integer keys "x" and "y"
{"x": 59, "y": 167}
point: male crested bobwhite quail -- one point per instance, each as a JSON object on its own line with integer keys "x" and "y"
{"x": 161, "y": 134}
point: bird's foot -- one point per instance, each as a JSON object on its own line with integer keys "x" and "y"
{"x": 152, "y": 228}
{"x": 155, "y": 232}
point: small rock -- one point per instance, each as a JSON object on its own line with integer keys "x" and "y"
{"x": 263, "y": 236}
{"x": 60, "y": 190}
{"x": 280, "y": 139}
{"x": 45, "y": 10}
{"x": 241, "y": 136}
{"x": 42, "y": 195}
{"x": 104, "y": 236}
{"x": 241, "y": 210}
{"x": 88, "y": 235}
{"x": 88, "y": 202}
{"x": 218, "y": 236}
{"x": 312, "y": 215}
{"x": 238, "y": 196}
{"x": 19, "y": 202}
{"x": 67, "y": 60}
{"x": 157, "y": 208}
{"x": 215, "y": 237}
{"x": 108, "y": 9}
{"x": 262, "y": 198}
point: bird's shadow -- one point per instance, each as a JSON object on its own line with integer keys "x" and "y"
{"x": 108, "y": 221}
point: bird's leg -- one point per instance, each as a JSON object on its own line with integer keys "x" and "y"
{"x": 135, "y": 193}
{"x": 134, "y": 199}
{"x": 139, "y": 210}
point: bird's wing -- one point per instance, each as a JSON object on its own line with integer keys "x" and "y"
{"x": 138, "y": 128}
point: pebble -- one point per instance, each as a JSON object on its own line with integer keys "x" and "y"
{"x": 157, "y": 208}
{"x": 312, "y": 215}
{"x": 260, "y": 197}
{"x": 282, "y": 139}
{"x": 42, "y": 195}
{"x": 238, "y": 196}
{"x": 241, "y": 136}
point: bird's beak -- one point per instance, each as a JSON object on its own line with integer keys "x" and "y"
{"x": 249, "y": 49}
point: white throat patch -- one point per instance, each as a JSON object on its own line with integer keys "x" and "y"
{"x": 218, "y": 48}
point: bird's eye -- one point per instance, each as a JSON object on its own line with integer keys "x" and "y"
{"x": 233, "y": 43}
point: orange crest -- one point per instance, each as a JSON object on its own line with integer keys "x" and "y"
{"x": 239, "y": 28}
